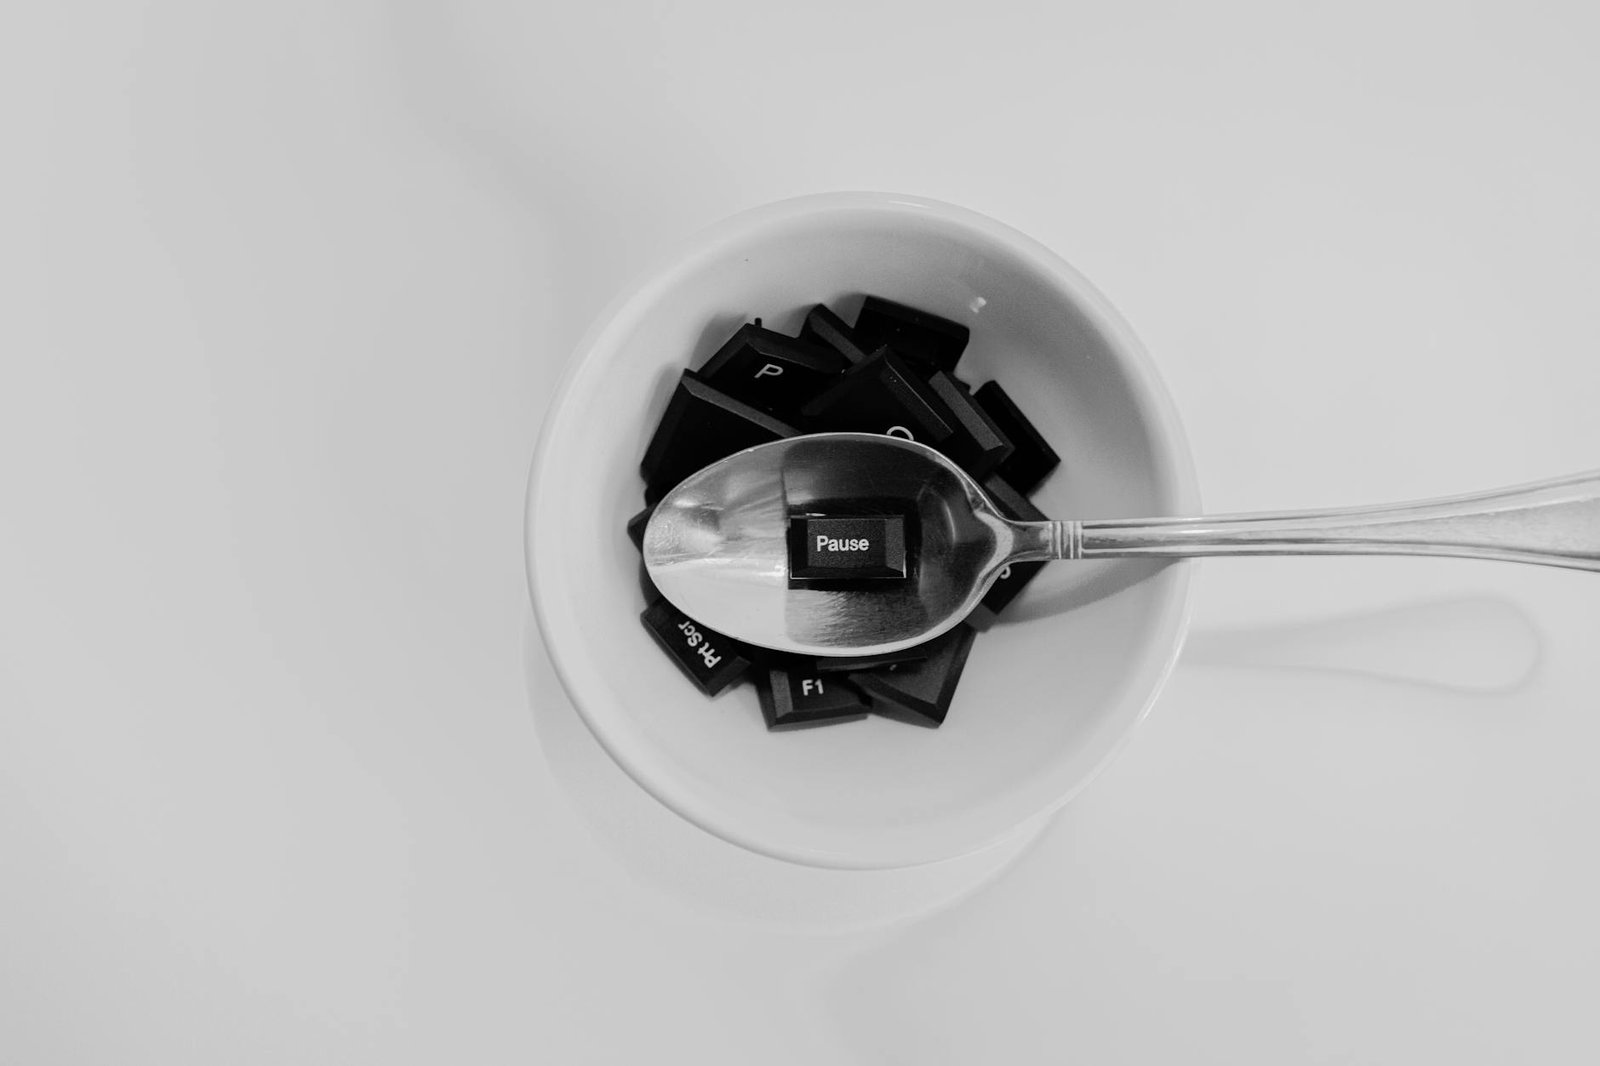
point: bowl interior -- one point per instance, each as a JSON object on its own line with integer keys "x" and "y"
{"x": 1048, "y": 693}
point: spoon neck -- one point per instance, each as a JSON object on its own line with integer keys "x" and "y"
{"x": 1048, "y": 540}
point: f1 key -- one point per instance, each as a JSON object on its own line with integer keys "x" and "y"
{"x": 794, "y": 695}
{"x": 860, "y": 547}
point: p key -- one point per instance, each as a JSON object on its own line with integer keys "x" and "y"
{"x": 771, "y": 371}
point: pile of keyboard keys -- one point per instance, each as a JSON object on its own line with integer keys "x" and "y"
{"x": 894, "y": 372}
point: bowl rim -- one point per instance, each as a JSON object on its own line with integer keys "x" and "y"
{"x": 616, "y": 319}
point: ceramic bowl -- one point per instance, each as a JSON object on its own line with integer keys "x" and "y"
{"x": 1049, "y": 693}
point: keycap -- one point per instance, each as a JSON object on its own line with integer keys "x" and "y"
{"x": 977, "y": 445}
{"x": 1016, "y": 576}
{"x": 824, "y": 327}
{"x": 913, "y": 334}
{"x": 881, "y": 394}
{"x": 636, "y": 526}
{"x": 1032, "y": 457}
{"x": 706, "y": 657}
{"x": 794, "y": 693}
{"x": 770, "y": 371}
{"x": 920, "y": 692}
{"x": 854, "y": 548}
{"x": 702, "y": 424}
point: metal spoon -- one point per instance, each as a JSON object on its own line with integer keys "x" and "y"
{"x": 717, "y": 546}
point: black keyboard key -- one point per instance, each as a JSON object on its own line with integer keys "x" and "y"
{"x": 913, "y": 334}
{"x": 978, "y": 446}
{"x": 771, "y": 371}
{"x": 1014, "y": 578}
{"x": 636, "y": 526}
{"x": 702, "y": 425}
{"x": 883, "y": 395}
{"x": 857, "y": 548}
{"x": 794, "y": 693}
{"x": 824, "y": 327}
{"x": 920, "y": 692}
{"x": 706, "y": 657}
{"x": 1032, "y": 457}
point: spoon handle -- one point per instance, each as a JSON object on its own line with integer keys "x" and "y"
{"x": 1551, "y": 523}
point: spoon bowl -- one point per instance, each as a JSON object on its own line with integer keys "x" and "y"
{"x": 717, "y": 544}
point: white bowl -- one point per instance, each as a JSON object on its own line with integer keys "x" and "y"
{"x": 1048, "y": 695}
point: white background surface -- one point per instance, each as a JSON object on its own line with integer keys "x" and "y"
{"x": 286, "y": 288}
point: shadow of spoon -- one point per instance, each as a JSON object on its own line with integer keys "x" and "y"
{"x": 1476, "y": 644}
